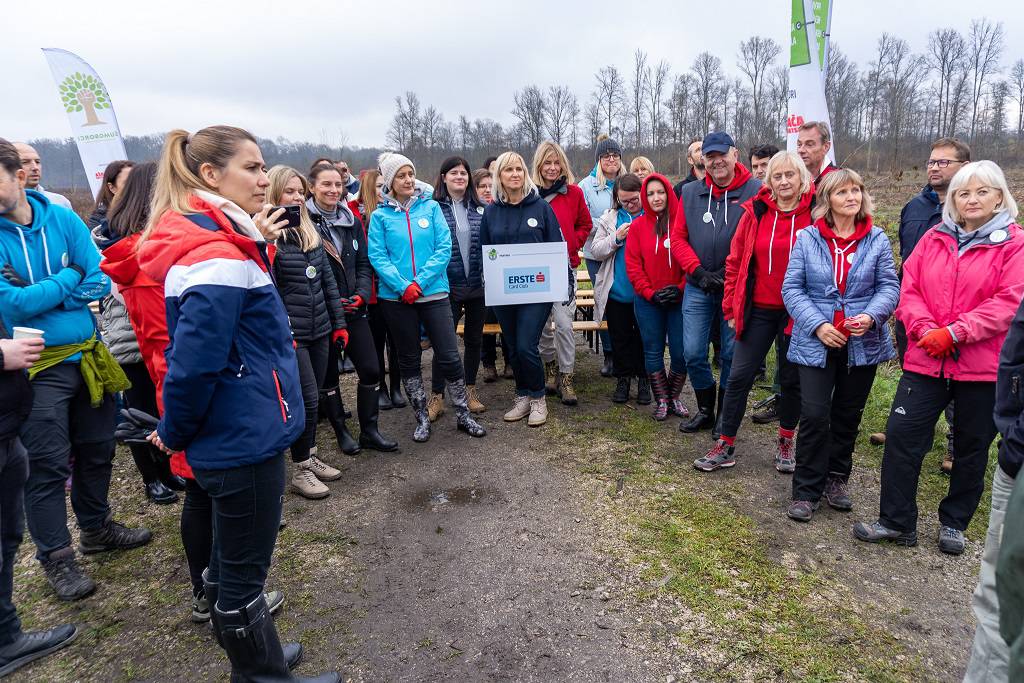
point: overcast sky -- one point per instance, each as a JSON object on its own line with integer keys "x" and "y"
{"x": 329, "y": 71}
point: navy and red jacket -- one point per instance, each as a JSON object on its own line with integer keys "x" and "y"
{"x": 231, "y": 395}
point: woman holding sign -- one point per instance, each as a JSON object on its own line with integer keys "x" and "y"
{"x": 658, "y": 281}
{"x": 410, "y": 246}
{"x": 519, "y": 216}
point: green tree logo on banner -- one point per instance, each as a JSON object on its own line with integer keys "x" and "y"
{"x": 81, "y": 92}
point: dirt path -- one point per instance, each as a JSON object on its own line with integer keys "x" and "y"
{"x": 514, "y": 557}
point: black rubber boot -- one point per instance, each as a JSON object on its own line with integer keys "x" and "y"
{"x": 384, "y": 396}
{"x": 621, "y": 393}
{"x": 368, "y": 407}
{"x": 716, "y": 432}
{"x": 705, "y": 416}
{"x": 250, "y": 639}
{"x": 331, "y": 401}
{"x": 397, "y": 400}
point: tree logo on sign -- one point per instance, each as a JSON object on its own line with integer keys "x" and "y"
{"x": 83, "y": 92}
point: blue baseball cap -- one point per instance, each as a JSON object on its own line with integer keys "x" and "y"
{"x": 716, "y": 142}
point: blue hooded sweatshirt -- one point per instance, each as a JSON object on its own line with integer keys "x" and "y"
{"x": 56, "y": 299}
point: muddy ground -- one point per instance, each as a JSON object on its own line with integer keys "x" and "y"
{"x": 513, "y": 557}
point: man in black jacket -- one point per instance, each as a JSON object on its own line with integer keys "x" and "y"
{"x": 17, "y": 647}
{"x": 990, "y": 654}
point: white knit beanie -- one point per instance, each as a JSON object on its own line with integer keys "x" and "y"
{"x": 389, "y": 163}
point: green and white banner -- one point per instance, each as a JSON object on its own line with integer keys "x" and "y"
{"x": 90, "y": 112}
{"x": 811, "y": 27}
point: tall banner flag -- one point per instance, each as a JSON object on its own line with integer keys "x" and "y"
{"x": 808, "y": 51}
{"x": 87, "y": 103}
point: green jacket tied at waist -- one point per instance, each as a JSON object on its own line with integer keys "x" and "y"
{"x": 100, "y": 371}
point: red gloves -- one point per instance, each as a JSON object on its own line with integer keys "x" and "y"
{"x": 340, "y": 337}
{"x": 937, "y": 343}
{"x": 353, "y": 304}
{"x": 412, "y": 292}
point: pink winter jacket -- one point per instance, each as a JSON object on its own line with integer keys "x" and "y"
{"x": 977, "y": 294}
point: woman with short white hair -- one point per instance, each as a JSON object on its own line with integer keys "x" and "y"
{"x": 961, "y": 289}
{"x": 519, "y": 216}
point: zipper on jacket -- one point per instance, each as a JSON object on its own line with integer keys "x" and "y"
{"x": 285, "y": 410}
{"x": 412, "y": 249}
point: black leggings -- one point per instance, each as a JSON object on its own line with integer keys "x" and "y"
{"x": 312, "y": 358}
{"x": 381, "y": 338}
{"x": 141, "y": 395}
{"x": 404, "y": 320}
{"x": 196, "y": 532}
{"x": 360, "y": 351}
{"x": 765, "y": 326}
{"x": 472, "y": 337}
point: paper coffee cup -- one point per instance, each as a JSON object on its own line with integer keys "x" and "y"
{"x": 27, "y": 333}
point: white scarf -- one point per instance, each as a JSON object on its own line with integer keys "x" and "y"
{"x": 244, "y": 221}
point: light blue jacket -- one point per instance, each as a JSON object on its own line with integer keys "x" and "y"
{"x": 811, "y": 297}
{"x": 599, "y": 200}
{"x": 56, "y": 299}
{"x": 407, "y": 246}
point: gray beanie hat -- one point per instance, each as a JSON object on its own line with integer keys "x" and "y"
{"x": 389, "y": 163}
{"x": 607, "y": 146}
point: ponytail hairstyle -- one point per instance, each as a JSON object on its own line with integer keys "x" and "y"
{"x": 129, "y": 212}
{"x": 183, "y": 154}
{"x": 368, "y": 192}
{"x": 306, "y": 235}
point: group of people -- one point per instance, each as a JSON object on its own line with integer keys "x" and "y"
{"x": 232, "y": 296}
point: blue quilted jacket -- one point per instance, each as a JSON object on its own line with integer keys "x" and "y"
{"x": 811, "y": 297}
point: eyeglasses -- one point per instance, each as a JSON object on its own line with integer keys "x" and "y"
{"x": 942, "y": 163}
{"x": 610, "y": 156}
{"x": 634, "y": 200}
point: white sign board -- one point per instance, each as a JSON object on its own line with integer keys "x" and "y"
{"x": 525, "y": 273}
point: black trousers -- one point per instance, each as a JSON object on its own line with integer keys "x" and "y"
{"x": 361, "y": 350}
{"x": 627, "y": 346}
{"x": 832, "y": 401}
{"x": 909, "y": 433}
{"x": 13, "y": 475}
{"x": 472, "y": 340}
{"x": 901, "y": 349}
{"x": 405, "y": 320}
{"x": 312, "y": 358}
{"x": 247, "y": 505}
{"x": 489, "y": 347}
{"x": 764, "y": 327}
{"x": 382, "y": 340}
{"x": 141, "y": 395}
{"x": 196, "y": 532}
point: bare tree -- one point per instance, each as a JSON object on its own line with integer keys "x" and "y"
{"x": 657, "y": 79}
{"x": 1017, "y": 92}
{"x": 610, "y": 96}
{"x": 593, "y": 119}
{"x": 756, "y": 56}
{"x": 778, "y": 97}
{"x": 560, "y": 110}
{"x": 639, "y": 97}
{"x": 985, "y": 47}
{"x": 842, "y": 92}
{"x": 403, "y": 134}
{"x": 431, "y": 123}
{"x": 707, "y": 75}
{"x": 529, "y": 111}
{"x": 947, "y": 50}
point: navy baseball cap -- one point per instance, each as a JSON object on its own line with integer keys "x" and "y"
{"x": 716, "y": 142}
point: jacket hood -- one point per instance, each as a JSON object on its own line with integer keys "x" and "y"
{"x": 418, "y": 196}
{"x": 120, "y": 256}
{"x": 860, "y": 230}
{"x": 741, "y": 176}
{"x": 40, "y": 204}
{"x": 174, "y": 236}
{"x": 765, "y": 196}
{"x": 995, "y": 231}
{"x": 929, "y": 193}
{"x": 672, "y": 205}
{"x": 530, "y": 198}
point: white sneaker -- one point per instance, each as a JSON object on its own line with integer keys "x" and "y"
{"x": 538, "y": 412}
{"x": 322, "y": 470}
{"x": 305, "y": 483}
{"x": 520, "y": 409}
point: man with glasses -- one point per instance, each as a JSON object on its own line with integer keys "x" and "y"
{"x": 921, "y": 213}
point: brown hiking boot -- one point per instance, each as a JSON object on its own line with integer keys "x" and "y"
{"x": 473, "y": 401}
{"x": 566, "y": 389}
{"x": 551, "y": 377}
{"x": 435, "y": 407}
{"x": 947, "y": 463}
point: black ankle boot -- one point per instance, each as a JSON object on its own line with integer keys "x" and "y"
{"x": 705, "y": 416}
{"x": 643, "y": 391}
{"x": 607, "y": 369}
{"x": 621, "y": 393}
{"x": 368, "y": 407}
{"x": 250, "y": 640}
{"x": 331, "y": 400}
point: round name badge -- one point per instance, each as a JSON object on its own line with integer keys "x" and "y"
{"x": 423, "y": 223}
{"x": 480, "y": 210}
{"x": 310, "y": 272}
{"x": 532, "y": 222}
{"x": 64, "y": 259}
{"x": 998, "y": 236}
{"x": 667, "y": 243}
{"x": 707, "y": 216}
{"x": 849, "y": 258}
{"x": 355, "y": 245}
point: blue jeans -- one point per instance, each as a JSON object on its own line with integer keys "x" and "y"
{"x": 699, "y": 310}
{"x": 521, "y": 325}
{"x": 656, "y": 323}
{"x": 593, "y": 265}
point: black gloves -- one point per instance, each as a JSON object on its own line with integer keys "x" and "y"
{"x": 711, "y": 283}
{"x": 669, "y": 295}
{"x": 136, "y": 427}
{"x": 12, "y": 276}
